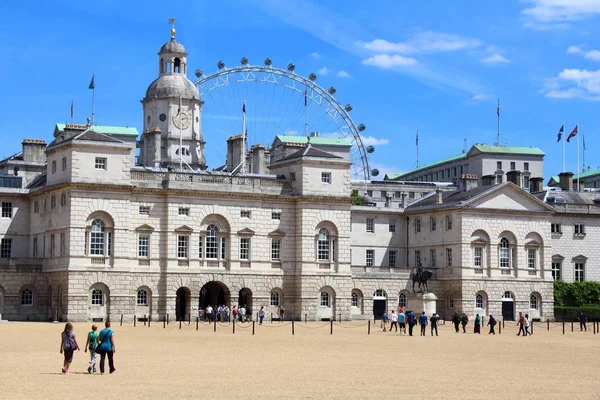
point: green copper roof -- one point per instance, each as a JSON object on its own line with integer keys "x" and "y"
{"x": 332, "y": 141}
{"x": 587, "y": 174}
{"x": 439, "y": 162}
{"x": 533, "y": 151}
{"x": 391, "y": 177}
{"x": 108, "y": 130}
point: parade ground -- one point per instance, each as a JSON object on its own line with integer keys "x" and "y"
{"x": 173, "y": 363}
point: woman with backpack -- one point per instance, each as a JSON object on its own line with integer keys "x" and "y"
{"x": 68, "y": 344}
{"x": 106, "y": 348}
{"x": 92, "y": 344}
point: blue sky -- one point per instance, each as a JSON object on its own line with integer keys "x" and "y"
{"x": 404, "y": 66}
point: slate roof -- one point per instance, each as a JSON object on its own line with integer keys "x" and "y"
{"x": 449, "y": 198}
{"x": 105, "y": 129}
{"x": 310, "y": 151}
{"x": 331, "y": 141}
{"x": 89, "y": 135}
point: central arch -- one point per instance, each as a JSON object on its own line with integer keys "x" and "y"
{"x": 379, "y": 303}
{"x": 245, "y": 300}
{"x": 215, "y": 294}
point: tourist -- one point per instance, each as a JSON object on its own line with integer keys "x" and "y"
{"x": 477, "y": 325}
{"x": 92, "y": 344}
{"x": 208, "y": 312}
{"x": 582, "y": 321}
{"x": 423, "y": 322}
{"x": 491, "y": 323}
{"x": 107, "y": 348}
{"x": 219, "y": 315}
{"x": 434, "y": 323}
{"x": 456, "y": 322}
{"x": 248, "y": 313}
{"x": 464, "y": 320}
{"x": 242, "y": 314}
{"x": 400, "y": 310}
{"x": 402, "y": 322}
{"x": 261, "y": 315}
{"x": 527, "y": 333}
{"x": 68, "y": 344}
{"x": 521, "y": 324}
{"x": 412, "y": 321}
{"x": 394, "y": 321}
{"x": 234, "y": 312}
{"x": 281, "y": 313}
{"x": 384, "y": 321}
{"x": 227, "y": 317}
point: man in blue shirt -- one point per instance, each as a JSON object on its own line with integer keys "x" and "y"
{"x": 412, "y": 321}
{"x": 423, "y": 322}
{"x": 402, "y": 322}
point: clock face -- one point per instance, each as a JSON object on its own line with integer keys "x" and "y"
{"x": 182, "y": 120}
{"x": 162, "y": 117}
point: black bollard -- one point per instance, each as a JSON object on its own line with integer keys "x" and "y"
{"x": 571, "y": 326}
{"x": 145, "y": 319}
{"x": 548, "y": 323}
{"x": 149, "y": 319}
{"x": 305, "y": 318}
{"x": 253, "y": 328}
{"x": 594, "y": 326}
{"x": 369, "y": 329}
{"x": 179, "y": 324}
{"x": 134, "y": 320}
{"x": 197, "y": 320}
{"x": 340, "y": 318}
{"x": 121, "y": 319}
{"x": 271, "y": 317}
{"x": 503, "y": 323}
{"x": 164, "y": 322}
{"x": 167, "y": 319}
{"x": 500, "y": 328}
{"x": 531, "y": 327}
{"x": 292, "y": 327}
{"x": 563, "y": 327}
{"x": 234, "y": 326}
{"x": 256, "y": 316}
{"x": 331, "y": 328}
{"x": 215, "y": 328}
{"x": 189, "y": 318}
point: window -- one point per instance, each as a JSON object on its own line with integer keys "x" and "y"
{"x": 478, "y": 257}
{"x": 531, "y": 255}
{"x": 292, "y": 176}
{"x": 27, "y": 297}
{"x": 275, "y": 249}
{"x": 5, "y": 248}
{"x": 144, "y": 210}
{"x": 392, "y": 258}
{"x": 44, "y": 245}
{"x": 142, "y": 297}
{"x": 326, "y": 177}
{"x": 276, "y": 215}
{"x": 526, "y": 166}
{"x": 223, "y": 248}
{"x": 355, "y": 302}
{"x": 97, "y": 297}
{"x": 498, "y": 179}
{"x": 143, "y": 246}
{"x": 54, "y": 166}
{"x": 64, "y": 163}
{"x": 392, "y": 226}
{"x": 36, "y": 207}
{"x": 370, "y": 225}
{"x": 450, "y": 301}
{"x": 526, "y": 182}
{"x": 200, "y": 254}
{"x": 324, "y": 299}
{"x": 556, "y": 271}
{"x": 370, "y": 193}
{"x": 182, "y": 246}
{"x": 433, "y": 224}
{"x": 499, "y": 165}
{"x": 275, "y": 298}
{"x": 417, "y": 257}
{"x": 184, "y": 211}
{"x": 533, "y": 302}
{"x": 411, "y": 195}
{"x": 323, "y": 245}
{"x": 244, "y": 248}
{"x": 417, "y": 225}
{"x": 579, "y": 272}
{"x": 45, "y": 205}
{"x": 579, "y": 228}
{"x": 35, "y": 247}
{"x": 504, "y": 253}
{"x": 556, "y": 228}
{"x": 97, "y": 238}
{"x": 370, "y": 257}
{"x": 245, "y": 214}
{"x": 436, "y": 176}
{"x": 63, "y": 199}
{"x": 53, "y": 202}
{"x": 513, "y": 165}
{"x": 449, "y": 257}
{"x": 63, "y": 244}
{"x": 448, "y": 222}
{"x": 212, "y": 242}
{"x": 383, "y": 194}
{"x": 453, "y": 171}
{"x": 397, "y": 195}
{"x": 479, "y": 301}
{"x": 100, "y": 163}
{"x": 7, "y": 209}
{"x": 402, "y": 300}
{"x": 432, "y": 261}
{"x": 52, "y": 245}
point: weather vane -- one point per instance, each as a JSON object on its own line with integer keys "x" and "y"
{"x": 172, "y": 22}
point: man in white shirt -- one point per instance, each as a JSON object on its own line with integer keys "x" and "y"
{"x": 394, "y": 321}
{"x": 209, "y": 311}
{"x": 242, "y": 314}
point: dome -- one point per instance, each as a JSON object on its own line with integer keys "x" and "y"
{"x": 172, "y": 46}
{"x": 172, "y": 86}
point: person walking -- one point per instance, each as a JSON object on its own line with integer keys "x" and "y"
{"x": 402, "y": 322}
{"x": 384, "y": 321}
{"x": 92, "y": 344}
{"x": 107, "y": 348}
{"x": 281, "y": 313}
{"x": 394, "y": 321}
{"x": 423, "y": 322}
{"x": 234, "y": 312}
{"x": 491, "y": 323}
{"x": 412, "y": 321}
{"x": 527, "y": 333}
{"x": 521, "y": 324}
{"x": 434, "y": 323}
{"x": 582, "y": 321}
{"x": 456, "y": 322}
{"x": 209, "y": 313}
{"x": 261, "y": 315}
{"x": 464, "y": 320}
{"x": 477, "y": 325}
{"x": 68, "y": 344}
{"x": 242, "y": 313}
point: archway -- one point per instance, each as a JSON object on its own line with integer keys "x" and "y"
{"x": 182, "y": 304}
{"x": 379, "y": 303}
{"x": 508, "y": 306}
{"x": 245, "y": 300}
{"x": 214, "y": 294}
{"x": 1, "y": 301}
{"x": 99, "y": 302}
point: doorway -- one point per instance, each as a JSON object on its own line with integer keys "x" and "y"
{"x": 379, "y": 303}
{"x": 214, "y": 294}
{"x": 182, "y": 304}
{"x": 508, "y": 306}
{"x": 245, "y": 300}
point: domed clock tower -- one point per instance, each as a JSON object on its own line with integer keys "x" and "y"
{"x": 172, "y": 110}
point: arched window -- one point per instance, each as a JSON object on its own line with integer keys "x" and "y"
{"x": 508, "y": 295}
{"x": 27, "y": 297}
{"x": 504, "y": 253}
{"x": 451, "y": 301}
{"x": 275, "y": 299}
{"x": 97, "y": 238}
{"x": 479, "y": 301}
{"x": 533, "y": 302}
{"x": 402, "y": 300}
{"x": 380, "y": 293}
{"x": 212, "y": 242}
{"x": 324, "y": 298}
{"x": 97, "y": 297}
{"x": 355, "y": 300}
{"x": 142, "y": 297}
{"x": 324, "y": 245}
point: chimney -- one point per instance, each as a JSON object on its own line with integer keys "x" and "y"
{"x": 258, "y": 159}
{"x": 514, "y": 177}
{"x": 566, "y": 181}
{"x": 157, "y": 146}
{"x": 34, "y": 150}
{"x": 488, "y": 180}
{"x": 234, "y": 152}
{"x": 438, "y": 196}
{"x": 536, "y": 184}
{"x": 403, "y": 200}
{"x": 581, "y": 185}
{"x": 467, "y": 182}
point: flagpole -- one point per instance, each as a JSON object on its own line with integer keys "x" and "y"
{"x": 180, "y": 139}
{"x": 417, "y": 148}
{"x": 93, "y": 112}
{"x": 583, "y": 153}
{"x": 498, "y": 135}
{"x": 564, "y": 153}
{"x": 305, "y": 114}
{"x": 243, "y": 155}
{"x": 578, "y": 166}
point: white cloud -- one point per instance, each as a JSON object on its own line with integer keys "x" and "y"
{"x": 343, "y": 74}
{"x": 323, "y": 71}
{"x": 386, "y": 61}
{"x": 575, "y": 83}
{"x": 548, "y": 11}
{"x": 316, "y": 55}
{"x": 495, "y": 59}
{"x": 373, "y": 141}
{"x": 593, "y": 55}
{"x": 481, "y": 97}
{"x": 423, "y": 42}
{"x": 384, "y": 169}
{"x": 574, "y": 50}
{"x": 565, "y": 94}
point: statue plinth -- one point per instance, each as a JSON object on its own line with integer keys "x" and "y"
{"x": 429, "y": 303}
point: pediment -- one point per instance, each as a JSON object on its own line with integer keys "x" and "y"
{"x": 246, "y": 232}
{"x": 580, "y": 258}
{"x": 508, "y": 197}
{"x": 277, "y": 233}
{"x": 184, "y": 229}
{"x": 533, "y": 243}
{"x": 479, "y": 242}
{"x": 144, "y": 228}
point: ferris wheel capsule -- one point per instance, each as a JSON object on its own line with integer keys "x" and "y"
{"x": 312, "y": 77}
{"x": 361, "y": 127}
{"x": 198, "y": 73}
{"x": 291, "y": 67}
{"x": 348, "y": 107}
{"x": 370, "y": 149}
{"x": 332, "y": 90}
{"x": 268, "y": 62}
{"x": 375, "y": 172}
{"x": 221, "y": 64}
{"x": 244, "y": 60}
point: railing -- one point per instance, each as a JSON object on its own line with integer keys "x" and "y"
{"x": 147, "y": 176}
{"x": 21, "y": 263}
{"x": 380, "y": 270}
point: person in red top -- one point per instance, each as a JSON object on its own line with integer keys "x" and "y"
{"x": 521, "y": 324}
{"x": 400, "y": 310}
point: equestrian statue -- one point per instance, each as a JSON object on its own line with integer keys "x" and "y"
{"x": 421, "y": 277}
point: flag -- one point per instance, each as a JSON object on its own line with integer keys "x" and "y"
{"x": 573, "y": 133}
{"x": 244, "y": 108}
{"x": 560, "y": 133}
{"x": 92, "y": 85}
{"x": 498, "y": 109}
{"x": 72, "y": 110}
{"x": 417, "y": 139}
{"x": 305, "y": 98}
{"x": 583, "y": 138}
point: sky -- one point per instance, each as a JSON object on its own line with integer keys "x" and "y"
{"x": 438, "y": 67}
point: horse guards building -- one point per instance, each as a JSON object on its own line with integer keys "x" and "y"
{"x": 89, "y": 231}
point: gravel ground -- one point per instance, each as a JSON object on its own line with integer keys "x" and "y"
{"x": 157, "y": 363}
